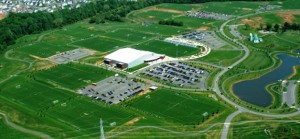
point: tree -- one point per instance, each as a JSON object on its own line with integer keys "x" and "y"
{"x": 276, "y": 27}
{"x": 92, "y": 20}
{"x": 268, "y": 27}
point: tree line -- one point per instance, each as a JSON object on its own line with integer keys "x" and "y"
{"x": 286, "y": 26}
{"x": 170, "y": 22}
{"x": 16, "y": 25}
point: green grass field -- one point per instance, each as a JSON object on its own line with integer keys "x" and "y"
{"x": 233, "y": 8}
{"x": 153, "y": 16}
{"x": 191, "y": 22}
{"x": 43, "y": 49}
{"x": 221, "y": 57}
{"x": 280, "y": 128}
{"x": 101, "y": 44}
{"x": 73, "y": 76}
{"x": 137, "y": 67}
{"x": 79, "y": 30}
{"x": 168, "y": 49}
{"x": 257, "y": 60}
{"x": 161, "y": 30}
{"x": 180, "y": 107}
{"x": 129, "y": 35}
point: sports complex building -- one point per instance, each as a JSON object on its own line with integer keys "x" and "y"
{"x": 128, "y": 58}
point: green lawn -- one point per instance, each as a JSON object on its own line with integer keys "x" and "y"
{"x": 101, "y": 44}
{"x": 32, "y": 94}
{"x": 129, "y": 35}
{"x": 233, "y": 8}
{"x": 84, "y": 115}
{"x": 137, "y": 67}
{"x": 178, "y": 106}
{"x": 161, "y": 29}
{"x": 221, "y": 57}
{"x": 153, "y": 16}
{"x": 168, "y": 49}
{"x": 73, "y": 76}
{"x": 257, "y": 60}
{"x": 192, "y": 22}
{"x": 43, "y": 49}
{"x": 57, "y": 112}
{"x": 279, "y": 129}
{"x": 79, "y": 30}
{"x": 288, "y": 4}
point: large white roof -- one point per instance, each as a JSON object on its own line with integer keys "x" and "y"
{"x": 127, "y": 55}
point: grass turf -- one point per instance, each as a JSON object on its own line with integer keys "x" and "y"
{"x": 101, "y": 44}
{"x": 221, "y": 57}
{"x": 178, "y": 106}
{"x": 73, "y": 76}
{"x": 167, "y": 48}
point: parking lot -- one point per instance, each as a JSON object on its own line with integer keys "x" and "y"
{"x": 113, "y": 90}
{"x": 209, "y": 15}
{"x": 179, "y": 74}
{"x": 234, "y": 31}
{"x": 208, "y": 38}
{"x": 68, "y": 56}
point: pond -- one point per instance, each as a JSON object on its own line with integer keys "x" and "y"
{"x": 254, "y": 92}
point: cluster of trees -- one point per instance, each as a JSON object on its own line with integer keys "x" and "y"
{"x": 171, "y": 22}
{"x": 286, "y": 26}
{"x": 16, "y": 25}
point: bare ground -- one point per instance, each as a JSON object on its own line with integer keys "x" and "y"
{"x": 134, "y": 120}
{"x": 288, "y": 16}
{"x": 254, "y": 22}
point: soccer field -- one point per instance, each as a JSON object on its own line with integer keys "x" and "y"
{"x": 102, "y": 44}
{"x": 178, "y": 106}
{"x": 168, "y": 49}
{"x": 73, "y": 76}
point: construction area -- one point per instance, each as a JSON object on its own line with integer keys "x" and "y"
{"x": 113, "y": 90}
{"x": 69, "y": 56}
{"x": 179, "y": 74}
{"x": 209, "y": 15}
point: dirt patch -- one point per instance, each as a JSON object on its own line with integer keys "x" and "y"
{"x": 204, "y": 28}
{"x": 254, "y": 22}
{"x": 91, "y": 28}
{"x": 294, "y": 72}
{"x": 247, "y": 9}
{"x": 163, "y": 10}
{"x": 41, "y": 65}
{"x": 144, "y": 93}
{"x": 134, "y": 120}
{"x": 150, "y": 16}
{"x": 288, "y": 16}
{"x": 38, "y": 58}
{"x": 2, "y": 15}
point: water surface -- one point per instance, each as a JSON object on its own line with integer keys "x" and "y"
{"x": 254, "y": 92}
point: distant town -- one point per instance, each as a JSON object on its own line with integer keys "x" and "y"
{"x": 29, "y": 6}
